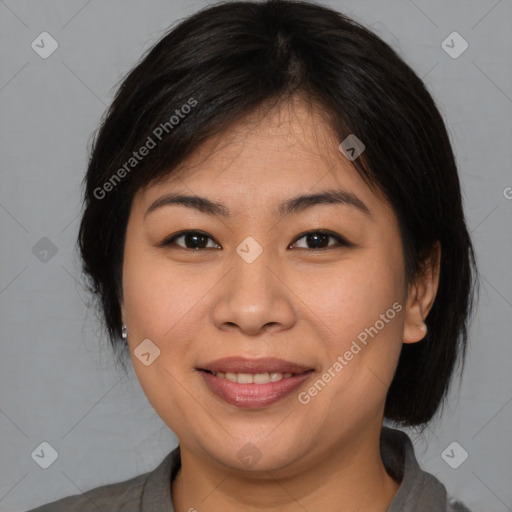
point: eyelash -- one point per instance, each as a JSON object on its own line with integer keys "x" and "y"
{"x": 342, "y": 242}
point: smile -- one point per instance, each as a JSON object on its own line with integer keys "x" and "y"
{"x": 246, "y": 390}
{"x": 257, "y": 378}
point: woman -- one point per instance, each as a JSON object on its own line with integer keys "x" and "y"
{"x": 273, "y": 227}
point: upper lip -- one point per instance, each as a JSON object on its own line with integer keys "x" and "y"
{"x": 261, "y": 365}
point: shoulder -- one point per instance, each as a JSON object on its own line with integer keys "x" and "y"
{"x": 122, "y": 496}
{"x": 149, "y": 492}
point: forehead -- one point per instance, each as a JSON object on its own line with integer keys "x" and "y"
{"x": 266, "y": 156}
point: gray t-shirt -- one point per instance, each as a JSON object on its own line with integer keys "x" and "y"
{"x": 151, "y": 492}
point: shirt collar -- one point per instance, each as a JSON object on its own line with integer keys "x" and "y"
{"x": 156, "y": 494}
{"x": 418, "y": 490}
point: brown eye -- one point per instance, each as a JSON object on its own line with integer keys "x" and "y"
{"x": 193, "y": 240}
{"x": 318, "y": 240}
{"x": 314, "y": 240}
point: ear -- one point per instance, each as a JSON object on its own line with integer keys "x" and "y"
{"x": 421, "y": 297}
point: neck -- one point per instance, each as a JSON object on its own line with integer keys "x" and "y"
{"x": 349, "y": 477}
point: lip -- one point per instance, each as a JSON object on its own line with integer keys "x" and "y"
{"x": 261, "y": 365}
{"x": 252, "y": 396}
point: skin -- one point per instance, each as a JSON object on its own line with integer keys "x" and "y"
{"x": 295, "y": 302}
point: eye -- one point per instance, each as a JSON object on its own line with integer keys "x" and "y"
{"x": 192, "y": 240}
{"x": 319, "y": 240}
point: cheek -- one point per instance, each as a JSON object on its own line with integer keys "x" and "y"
{"x": 156, "y": 295}
{"x": 361, "y": 311}
{"x": 158, "y": 302}
{"x": 353, "y": 295}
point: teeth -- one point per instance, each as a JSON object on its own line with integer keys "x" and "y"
{"x": 262, "y": 378}
{"x": 253, "y": 378}
{"x": 244, "y": 378}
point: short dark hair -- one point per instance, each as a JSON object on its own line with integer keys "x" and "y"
{"x": 229, "y": 59}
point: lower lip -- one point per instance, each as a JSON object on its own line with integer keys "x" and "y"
{"x": 253, "y": 395}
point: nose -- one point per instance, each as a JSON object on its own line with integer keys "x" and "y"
{"x": 254, "y": 298}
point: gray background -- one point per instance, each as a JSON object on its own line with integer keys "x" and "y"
{"x": 58, "y": 381}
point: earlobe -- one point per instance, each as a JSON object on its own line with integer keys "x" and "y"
{"x": 415, "y": 333}
{"x": 414, "y": 330}
{"x": 422, "y": 294}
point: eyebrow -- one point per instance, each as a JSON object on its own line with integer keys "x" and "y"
{"x": 293, "y": 205}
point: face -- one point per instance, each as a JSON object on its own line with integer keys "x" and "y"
{"x": 317, "y": 283}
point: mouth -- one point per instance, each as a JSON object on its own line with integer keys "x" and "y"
{"x": 254, "y": 378}
{"x": 246, "y": 366}
{"x": 253, "y": 383}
